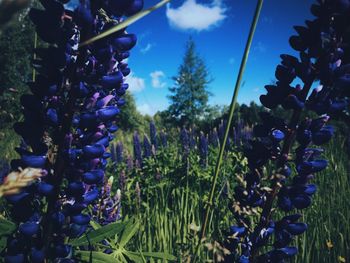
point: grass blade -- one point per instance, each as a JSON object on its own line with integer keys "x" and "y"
{"x": 125, "y": 23}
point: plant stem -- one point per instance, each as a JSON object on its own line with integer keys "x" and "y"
{"x": 34, "y": 55}
{"x": 59, "y": 166}
{"x": 232, "y": 108}
{"x": 125, "y": 23}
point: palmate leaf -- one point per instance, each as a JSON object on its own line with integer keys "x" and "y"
{"x": 129, "y": 231}
{"x": 135, "y": 257}
{"x": 125, "y": 23}
{"x": 6, "y": 226}
{"x": 95, "y": 225}
{"x": 97, "y": 257}
{"x": 100, "y": 234}
{"x": 154, "y": 255}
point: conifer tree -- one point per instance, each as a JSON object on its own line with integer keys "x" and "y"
{"x": 189, "y": 95}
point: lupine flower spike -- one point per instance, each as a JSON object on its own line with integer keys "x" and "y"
{"x": 322, "y": 48}
{"x": 69, "y": 121}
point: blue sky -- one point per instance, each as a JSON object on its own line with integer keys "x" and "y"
{"x": 220, "y": 29}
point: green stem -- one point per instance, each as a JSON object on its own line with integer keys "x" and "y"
{"x": 34, "y": 56}
{"x": 232, "y": 108}
{"x": 125, "y": 23}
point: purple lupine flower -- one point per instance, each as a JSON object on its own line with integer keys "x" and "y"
{"x": 214, "y": 138}
{"x": 119, "y": 152}
{"x": 221, "y": 133}
{"x": 129, "y": 163}
{"x": 192, "y": 138}
{"x": 238, "y": 133}
{"x": 107, "y": 210}
{"x": 113, "y": 153}
{"x": 185, "y": 141}
{"x": 246, "y": 134}
{"x": 153, "y": 134}
{"x": 147, "y": 147}
{"x": 321, "y": 47}
{"x": 73, "y": 107}
{"x": 137, "y": 150}
{"x": 122, "y": 179}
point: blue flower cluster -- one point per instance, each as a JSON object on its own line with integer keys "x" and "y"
{"x": 108, "y": 209}
{"x": 69, "y": 121}
{"x": 323, "y": 44}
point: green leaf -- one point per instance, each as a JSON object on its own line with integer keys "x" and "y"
{"x": 100, "y": 234}
{"x": 3, "y": 243}
{"x": 130, "y": 230}
{"x": 97, "y": 257}
{"x": 125, "y": 23}
{"x": 157, "y": 255}
{"x": 95, "y": 225}
{"x": 6, "y": 226}
{"x": 134, "y": 256}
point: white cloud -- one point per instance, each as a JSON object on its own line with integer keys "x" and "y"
{"x": 194, "y": 16}
{"x": 136, "y": 84}
{"x": 147, "y": 48}
{"x": 157, "y": 77}
{"x": 145, "y": 109}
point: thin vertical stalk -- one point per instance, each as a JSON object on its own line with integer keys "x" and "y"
{"x": 34, "y": 55}
{"x": 232, "y": 108}
{"x": 125, "y": 23}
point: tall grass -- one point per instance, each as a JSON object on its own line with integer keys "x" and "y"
{"x": 174, "y": 191}
{"x": 327, "y": 239}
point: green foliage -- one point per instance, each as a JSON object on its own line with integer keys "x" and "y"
{"x": 129, "y": 118}
{"x": 328, "y": 217}
{"x": 168, "y": 195}
{"x": 189, "y": 96}
{"x": 116, "y": 236}
{"x": 99, "y": 234}
{"x": 16, "y": 45}
{"x": 8, "y": 9}
{"x": 6, "y": 226}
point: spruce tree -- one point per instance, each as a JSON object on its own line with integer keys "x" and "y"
{"x": 189, "y": 95}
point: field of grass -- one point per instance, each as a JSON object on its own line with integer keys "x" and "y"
{"x": 327, "y": 239}
{"x": 169, "y": 193}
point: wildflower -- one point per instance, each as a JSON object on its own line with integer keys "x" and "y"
{"x": 119, "y": 152}
{"x": 147, "y": 147}
{"x": 153, "y": 134}
{"x": 68, "y": 123}
{"x": 315, "y": 43}
{"x": 214, "y": 138}
{"x": 185, "y": 141}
